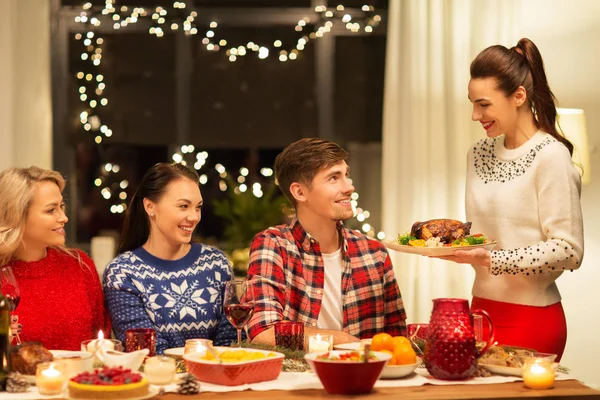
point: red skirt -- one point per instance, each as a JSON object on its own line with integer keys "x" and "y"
{"x": 543, "y": 329}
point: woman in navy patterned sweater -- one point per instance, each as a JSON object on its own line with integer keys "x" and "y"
{"x": 161, "y": 280}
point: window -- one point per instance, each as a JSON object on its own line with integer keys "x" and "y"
{"x": 241, "y": 109}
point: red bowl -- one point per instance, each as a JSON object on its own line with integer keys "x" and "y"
{"x": 347, "y": 377}
{"x": 237, "y": 373}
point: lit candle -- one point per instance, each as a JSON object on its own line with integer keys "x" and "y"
{"x": 319, "y": 343}
{"x": 160, "y": 370}
{"x": 196, "y": 345}
{"x": 50, "y": 378}
{"x": 538, "y": 374}
{"x": 100, "y": 345}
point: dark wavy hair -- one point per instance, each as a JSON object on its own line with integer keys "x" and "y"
{"x": 136, "y": 227}
{"x": 522, "y": 65}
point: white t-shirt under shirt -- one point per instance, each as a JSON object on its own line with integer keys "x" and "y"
{"x": 331, "y": 315}
{"x": 528, "y": 200}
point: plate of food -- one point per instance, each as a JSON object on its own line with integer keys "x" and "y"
{"x": 237, "y": 366}
{"x": 25, "y": 357}
{"x": 439, "y": 237}
{"x": 506, "y": 360}
{"x": 110, "y": 383}
{"x": 502, "y": 370}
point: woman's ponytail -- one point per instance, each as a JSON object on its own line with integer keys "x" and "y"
{"x": 542, "y": 100}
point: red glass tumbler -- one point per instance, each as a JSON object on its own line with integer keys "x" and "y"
{"x": 290, "y": 335}
{"x": 140, "y": 338}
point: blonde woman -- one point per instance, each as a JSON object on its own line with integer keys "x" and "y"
{"x": 61, "y": 298}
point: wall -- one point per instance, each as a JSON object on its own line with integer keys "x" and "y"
{"x": 25, "y": 93}
{"x": 567, "y": 33}
{"x": 6, "y": 85}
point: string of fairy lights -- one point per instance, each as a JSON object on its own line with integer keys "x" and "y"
{"x": 188, "y": 155}
{"x": 180, "y": 17}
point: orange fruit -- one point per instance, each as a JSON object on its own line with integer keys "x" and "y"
{"x": 400, "y": 341}
{"x": 382, "y": 341}
{"x": 393, "y": 359}
{"x": 404, "y": 354}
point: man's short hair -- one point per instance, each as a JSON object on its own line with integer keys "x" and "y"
{"x": 303, "y": 159}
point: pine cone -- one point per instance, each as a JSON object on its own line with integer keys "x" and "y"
{"x": 188, "y": 385}
{"x": 16, "y": 383}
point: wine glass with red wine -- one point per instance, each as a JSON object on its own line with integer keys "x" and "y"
{"x": 10, "y": 290}
{"x": 239, "y": 305}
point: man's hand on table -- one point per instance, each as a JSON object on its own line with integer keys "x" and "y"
{"x": 268, "y": 336}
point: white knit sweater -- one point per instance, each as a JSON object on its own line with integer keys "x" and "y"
{"x": 528, "y": 199}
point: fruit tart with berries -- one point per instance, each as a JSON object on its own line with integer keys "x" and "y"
{"x": 108, "y": 383}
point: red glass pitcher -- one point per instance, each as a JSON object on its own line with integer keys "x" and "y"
{"x": 451, "y": 351}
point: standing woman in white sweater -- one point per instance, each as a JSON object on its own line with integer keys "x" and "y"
{"x": 524, "y": 191}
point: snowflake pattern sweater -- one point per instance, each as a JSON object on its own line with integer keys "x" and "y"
{"x": 528, "y": 199}
{"x": 181, "y": 299}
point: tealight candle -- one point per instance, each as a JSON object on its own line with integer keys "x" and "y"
{"x": 538, "y": 373}
{"x": 196, "y": 345}
{"x": 319, "y": 343}
{"x": 160, "y": 370}
{"x": 50, "y": 378}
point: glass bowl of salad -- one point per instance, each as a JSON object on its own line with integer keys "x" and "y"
{"x": 346, "y": 372}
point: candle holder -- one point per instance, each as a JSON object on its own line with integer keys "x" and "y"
{"x": 318, "y": 343}
{"x": 51, "y": 378}
{"x": 160, "y": 371}
{"x": 539, "y": 371}
{"x": 196, "y": 345}
{"x": 140, "y": 338}
{"x": 76, "y": 362}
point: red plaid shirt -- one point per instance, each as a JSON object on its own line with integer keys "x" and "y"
{"x": 287, "y": 273}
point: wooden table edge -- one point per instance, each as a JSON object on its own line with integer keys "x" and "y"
{"x": 565, "y": 389}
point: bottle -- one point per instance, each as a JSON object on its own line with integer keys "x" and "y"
{"x": 5, "y": 339}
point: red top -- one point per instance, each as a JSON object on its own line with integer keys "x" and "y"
{"x": 62, "y": 303}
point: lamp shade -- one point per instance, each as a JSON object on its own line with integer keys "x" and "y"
{"x": 571, "y": 123}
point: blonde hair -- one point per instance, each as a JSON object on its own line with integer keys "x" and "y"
{"x": 17, "y": 189}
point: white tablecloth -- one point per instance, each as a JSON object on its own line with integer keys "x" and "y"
{"x": 308, "y": 380}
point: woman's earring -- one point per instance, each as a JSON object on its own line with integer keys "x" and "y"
{"x": 152, "y": 215}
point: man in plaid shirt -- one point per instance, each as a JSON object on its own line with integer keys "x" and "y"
{"x": 314, "y": 270}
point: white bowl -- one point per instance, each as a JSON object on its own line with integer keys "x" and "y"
{"x": 399, "y": 371}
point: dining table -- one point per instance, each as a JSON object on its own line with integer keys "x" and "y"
{"x": 305, "y": 385}
{"x": 567, "y": 389}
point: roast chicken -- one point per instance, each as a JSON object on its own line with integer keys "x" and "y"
{"x": 25, "y": 357}
{"x": 447, "y": 230}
